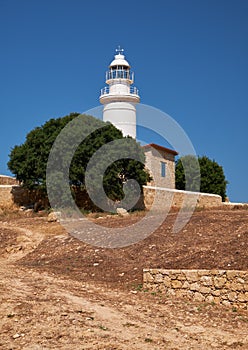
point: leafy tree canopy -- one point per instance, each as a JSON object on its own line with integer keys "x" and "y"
{"x": 29, "y": 160}
{"x": 212, "y": 177}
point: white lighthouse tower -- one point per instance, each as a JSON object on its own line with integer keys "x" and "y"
{"x": 120, "y": 97}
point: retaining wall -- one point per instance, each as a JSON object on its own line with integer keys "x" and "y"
{"x": 20, "y": 196}
{"x": 8, "y": 180}
{"x": 227, "y": 287}
{"x": 166, "y": 196}
{"x": 6, "y": 199}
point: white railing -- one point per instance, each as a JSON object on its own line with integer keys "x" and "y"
{"x": 133, "y": 90}
{"x": 105, "y": 90}
{"x": 119, "y": 74}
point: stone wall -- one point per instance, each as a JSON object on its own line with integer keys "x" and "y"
{"x": 20, "y": 196}
{"x": 227, "y": 287}
{"x": 8, "y": 180}
{"x": 24, "y": 197}
{"x": 176, "y": 198}
{"x": 6, "y": 199}
{"x": 6, "y": 184}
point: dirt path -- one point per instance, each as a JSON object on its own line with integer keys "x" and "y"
{"x": 41, "y": 310}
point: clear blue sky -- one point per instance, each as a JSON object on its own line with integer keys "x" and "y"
{"x": 189, "y": 57}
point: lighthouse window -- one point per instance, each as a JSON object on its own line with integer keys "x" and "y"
{"x": 163, "y": 169}
{"x": 119, "y": 72}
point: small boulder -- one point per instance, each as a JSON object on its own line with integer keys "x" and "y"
{"x": 15, "y": 336}
{"x": 54, "y": 216}
{"x": 122, "y": 212}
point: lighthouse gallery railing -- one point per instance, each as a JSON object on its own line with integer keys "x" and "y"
{"x": 133, "y": 90}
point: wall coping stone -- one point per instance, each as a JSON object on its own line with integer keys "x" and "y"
{"x": 182, "y": 191}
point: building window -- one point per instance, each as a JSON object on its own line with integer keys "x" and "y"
{"x": 163, "y": 169}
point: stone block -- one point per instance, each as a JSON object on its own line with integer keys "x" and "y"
{"x": 223, "y": 295}
{"x": 243, "y": 297}
{"x": 206, "y": 280}
{"x": 165, "y": 272}
{"x": 198, "y": 297}
{"x": 217, "y": 300}
{"x": 215, "y": 292}
{"x": 232, "y": 296}
{"x": 219, "y": 282}
{"x": 244, "y": 275}
{"x": 240, "y": 280}
{"x": 237, "y": 286}
{"x": 202, "y": 273}
{"x": 226, "y": 303}
{"x": 147, "y": 277}
{"x": 176, "y": 284}
{"x": 167, "y": 281}
{"x": 231, "y": 274}
{"x": 191, "y": 275}
{"x": 174, "y": 274}
{"x": 158, "y": 278}
{"x": 217, "y": 272}
{"x": 209, "y": 299}
{"x": 195, "y": 286}
{"x": 181, "y": 277}
{"x": 186, "y": 285}
{"x": 205, "y": 290}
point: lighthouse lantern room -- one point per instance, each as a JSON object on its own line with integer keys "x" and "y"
{"x": 120, "y": 96}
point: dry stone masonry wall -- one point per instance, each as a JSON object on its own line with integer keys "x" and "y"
{"x": 8, "y": 180}
{"x": 6, "y": 199}
{"x": 6, "y": 183}
{"x": 177, "y": 197}
{"x": 227, "y": 287}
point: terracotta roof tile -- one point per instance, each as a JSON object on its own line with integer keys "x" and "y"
{"x": 161, "y": 148}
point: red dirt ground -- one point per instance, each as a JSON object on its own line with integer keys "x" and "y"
{"x": 60, "y": 293}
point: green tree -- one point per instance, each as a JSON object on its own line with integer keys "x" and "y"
{"x": 29, "y": 160}
{"x": 188, "y": 174}
{"x": 212, "y": 177}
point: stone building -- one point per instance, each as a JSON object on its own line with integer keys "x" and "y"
{"x": 161, "y": 163}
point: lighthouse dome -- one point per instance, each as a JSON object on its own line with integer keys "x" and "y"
{"x": 119, "y": 61}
